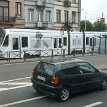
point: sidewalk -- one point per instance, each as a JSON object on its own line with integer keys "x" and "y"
{"x": 99, "y": 61}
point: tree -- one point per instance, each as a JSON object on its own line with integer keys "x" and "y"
{"x": 98, "y": 26}
{"x": 67, "y": 26}
{"x": 89, "y": 25}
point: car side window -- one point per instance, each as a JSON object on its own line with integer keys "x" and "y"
{"x": 70, "y": 69}
{"x": 86, "y": 67}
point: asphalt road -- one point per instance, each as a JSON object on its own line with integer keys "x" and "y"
{"x": 16, "y": 89}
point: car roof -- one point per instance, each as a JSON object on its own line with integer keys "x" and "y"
{"x": 57, "y": 61}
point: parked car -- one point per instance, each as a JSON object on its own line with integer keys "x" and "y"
{"x": 59, "y": 78}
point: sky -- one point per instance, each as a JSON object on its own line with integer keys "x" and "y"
{"x": 93, "y": 9}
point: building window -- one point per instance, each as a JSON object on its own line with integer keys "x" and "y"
{"x": 60, "y": 42}
{"x": 48, "y": 16}
{"x": 66, "y": 16}
{"x": 4, "y": 14}
{"x": 30, "y": 15}
{"x": 58, "y": 16}
{"x": 73, "y": 17}
{"x": 40, "y": 16}
{"x": 18, "y": 9}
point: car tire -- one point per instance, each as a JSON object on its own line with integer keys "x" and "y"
{"x": 104, "y": 85}
{"x": 64, "y": 94}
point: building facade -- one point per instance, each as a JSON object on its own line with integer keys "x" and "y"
{"x": 67, "y": 12}
{"x": 11, "y": 13}
{"x": 39, "y": 14}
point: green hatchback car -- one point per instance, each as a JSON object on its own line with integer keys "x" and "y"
{"x": 59, "y": 78}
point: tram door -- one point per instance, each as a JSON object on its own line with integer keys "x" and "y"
{"x": 16, "y": 49}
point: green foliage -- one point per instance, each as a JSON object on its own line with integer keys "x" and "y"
{"x": 97, "y": 26}
{"x": 89, "y": 25}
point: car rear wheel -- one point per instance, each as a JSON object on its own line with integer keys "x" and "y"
{"x": 64, "y": 94}
{"x": 104, "y": 85}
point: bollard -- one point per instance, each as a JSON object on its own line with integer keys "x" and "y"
{"x": 63, "y": 53}
{"x": 9, "y": 57}
{"x": 24, "y": 56}
{"x": 52, "y": 53}
{"x": 92, "y": 51}
{"x": 40, "y": 54}
{"x": 74, "y": 53}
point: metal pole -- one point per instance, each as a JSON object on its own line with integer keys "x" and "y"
{"x": 93, "y": 45}
{"x": 100, "y": 46}
{"x": 85, "y": 22}
{"x": 83, "y": 42}
{"x": 105, "y": 44}
{"x": 62, "y": 33}
{"x": 68, "y": 42}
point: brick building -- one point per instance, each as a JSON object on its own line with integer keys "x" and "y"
{"x": 11, "y": 13}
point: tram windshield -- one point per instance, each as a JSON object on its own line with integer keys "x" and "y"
{"x": 2, "y": 35}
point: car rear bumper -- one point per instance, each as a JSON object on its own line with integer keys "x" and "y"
{"x": 46, "y": 89}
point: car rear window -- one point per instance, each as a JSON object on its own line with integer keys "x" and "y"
{"x": 46, "y": 68}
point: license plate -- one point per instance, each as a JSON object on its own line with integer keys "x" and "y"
{"x": 41, "y": 78}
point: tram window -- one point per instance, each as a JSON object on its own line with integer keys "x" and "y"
{"x": 2, "y": 35}
{"x": 6, "y": 41}
{"x": 15, "y": 44}
{"x": 24, "y": 42}
{"x": 55, "y": 42}
{"x": 64, "y": 41}
{"x": 59, "y": 42}
{"x": 87, "y": 40}
{"x": 90, "y": 41}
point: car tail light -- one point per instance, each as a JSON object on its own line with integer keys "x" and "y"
{"x": 34, "y": 72}
{"x": 54, "y": 80}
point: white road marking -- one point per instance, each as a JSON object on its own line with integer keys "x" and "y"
{"x": 22, "y": 101}
{"x": 14, "y": 83}
{"x": 16, "y": 79}
{"x": 5, "y": 89}
{"x": 93, "y": 104}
